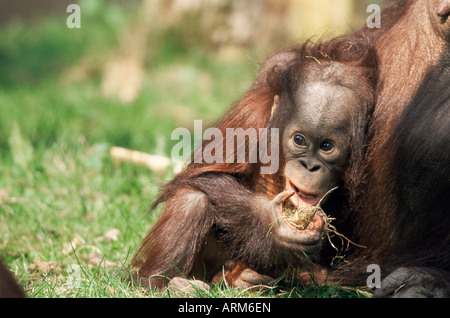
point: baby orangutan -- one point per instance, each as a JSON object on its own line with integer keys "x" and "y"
{"x": 229, "y": 221}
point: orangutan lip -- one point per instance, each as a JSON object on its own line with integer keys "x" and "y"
{"x": 302, "y": 197}
{"x": 306, "y": 196}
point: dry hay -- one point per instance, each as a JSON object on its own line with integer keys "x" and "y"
{"x": 302, "y": 216}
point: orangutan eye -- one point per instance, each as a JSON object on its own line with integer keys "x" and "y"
{"x": 300, "y": 140}
{"x": 326, "y": 146}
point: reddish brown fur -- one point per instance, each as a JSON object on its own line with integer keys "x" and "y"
{"x": 258, "y": 101}
{"x": 410, "y": 44}
{"x": 165, "y": 246}
{"x": 406, "y": 52}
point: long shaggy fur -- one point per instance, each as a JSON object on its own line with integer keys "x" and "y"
{"x": 196, "y": 214}
{"x": 402, "y": 211}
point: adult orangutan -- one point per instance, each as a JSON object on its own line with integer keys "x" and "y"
{"x": 399, "y": 210}
{"x": 402, "y": 212}
{"x": 228, "y": 216}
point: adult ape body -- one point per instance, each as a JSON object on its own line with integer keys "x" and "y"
{"x": 400, "y": 209}
{"x": 320, "y": 97}
{"x": 401, "y": 213}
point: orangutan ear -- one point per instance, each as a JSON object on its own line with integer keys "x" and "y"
{"x": 276, "y": 99}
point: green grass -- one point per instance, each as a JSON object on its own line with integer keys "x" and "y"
{"x": 60, "y": 191}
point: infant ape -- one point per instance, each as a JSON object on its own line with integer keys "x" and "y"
{"x": 226, "y": 220}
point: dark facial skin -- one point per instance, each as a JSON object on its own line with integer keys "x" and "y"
{"x": 315, "y": 141}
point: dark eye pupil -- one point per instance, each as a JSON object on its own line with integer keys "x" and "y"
{"x": 300, "y": 140}
{"x": 327, "y": 146}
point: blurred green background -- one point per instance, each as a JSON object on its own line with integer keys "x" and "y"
{"x": 132, "y": 73}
